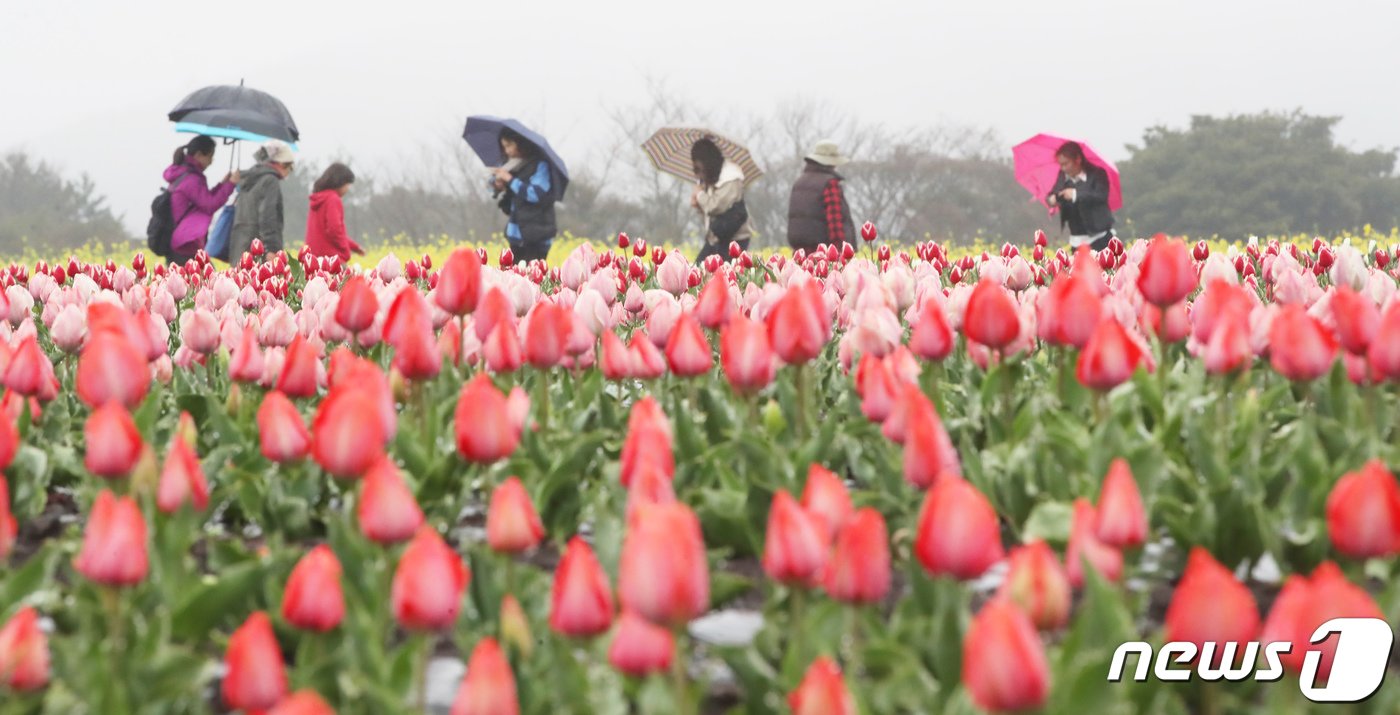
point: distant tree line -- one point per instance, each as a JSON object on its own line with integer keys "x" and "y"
{"x": 1232, "y": 176}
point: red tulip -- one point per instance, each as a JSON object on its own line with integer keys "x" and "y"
{"x": 111, "y": 369}
{"x": 110, "y": 318}
{"x": 715, "y": 306}
{"x": 991, "y": 317}
{"x": 1038, "y": 584}
{"x": 246, "y": 361}
{"x": 616, "y": 361}
{"x": 30, "y": 373}
{"x": 1167, "y": 275}
{"x": 281, "y": 431}
{"x": 746, "y": 355}
{"x": 1384, "y": 353}
{"x": 9, "y": 526}
{"x": 484, "y": 431}
{"x": 113, "y": 442}
{"x": 1171, "y": 324}
{"x": 648, "y": 442}
{"x": 181, "y": 479}
{"x": 428, "y": 584}
{"x": 581, "y": 603}
{"x": 1306, "y": 603}
{"x": 858, "y": 570}
{"x": 1120, "y": 521}
{"x": 298, "y": 377}
{"x": 1069, "y": 312}
{"x": 1356, "y": 317}
{"x": 256, "y": 678}
{"x": 826, "y": 497}
{"x": 663, "y": 574}
{"x": 489, "y": 687}
{"x": 347, "y": 434}
{"x": 795, "y": 547}
{"x": 409, "y": 328}
{"x": 312, "y": 600}
{"x": 495, "y": 308}
{"x": 302, "y": 702}
{"x": 647, "y": 361}
{"x": 9, "y": 441}
{"x": 1228, "y": 348}
{"x": 1110, "y": 357}
{"x": 459, "y": 284}
{"x": 1218, "y": 300}
{"x": 822, "y": 691}
{"x": 547, "y": 334}
{"x": 357, "y": 305}
{"x": 114, "y": 542}
{"x": 799, "y": 325}
{"x": 928, "y": 450}
{"x": 387, "y": 511}
{"x": 1363, "y": 512}
{"x": 502, "y": 349}
{"x": 1300, "y": 349}
{"x": 932, "y": 338}
{"x": 877, "y": 387}
{"x": 958, "y": 533}
{"x": 1210, "y": 605}
{"x": 512, "y": 526}
{"x": 640, "y": 648}
{"x": 24, "y": 653}
{"x": 687, "y": 352}
{"x": 1004, "y": 667}
{"x": 1084, "y": 546}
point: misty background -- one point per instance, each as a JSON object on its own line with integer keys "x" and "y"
{"x": 1247, "y": 117}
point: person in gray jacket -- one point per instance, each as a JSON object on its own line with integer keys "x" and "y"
{"x": 258, "y": 208}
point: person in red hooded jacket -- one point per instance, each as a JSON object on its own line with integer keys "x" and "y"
{"x": 325, "y": 225}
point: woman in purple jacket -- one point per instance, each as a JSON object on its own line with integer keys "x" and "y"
{"x": 192, "y": 202}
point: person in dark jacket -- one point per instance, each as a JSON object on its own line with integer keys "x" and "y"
{"x": 525, "y": 189}
{"x": 1081, "y": 193}
{"x": 192, "y": 202}
{"x": 817, "y": 211}
{"x": 258, "y": 208}
{"x": 325, "y": 224}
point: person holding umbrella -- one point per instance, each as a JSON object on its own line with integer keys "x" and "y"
{"x": 192, "y": 202}
{"x": 525, "y": 190}
{"x": 719, "y": 197}
{"x": 1081, "y": 193}
{"x": 258, "y": 208}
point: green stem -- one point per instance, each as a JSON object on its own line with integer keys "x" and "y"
{"x": 510, "y": 574}
{"x": 1162, "y": 368}
{"x": 112, "y": 603}
{"x": 798, "y": 600}
{"x": 425, "y": 654}
{"x": 679, "y": 685}
{"x": 853, "y": 641}
{"x": 542, "y": 398}
{"x": 801, "y": 380}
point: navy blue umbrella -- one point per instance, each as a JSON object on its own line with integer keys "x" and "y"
{"x": 483, "y": 135}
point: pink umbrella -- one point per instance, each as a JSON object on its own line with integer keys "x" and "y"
{"x": 1037, "y": 169}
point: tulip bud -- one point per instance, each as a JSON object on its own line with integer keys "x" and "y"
{"x": 515, "y": 627}
{"x": 868, "y": 232}
{"x": 622, "y": 241}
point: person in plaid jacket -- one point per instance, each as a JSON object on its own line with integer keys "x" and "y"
{"x": 817, "y": 212}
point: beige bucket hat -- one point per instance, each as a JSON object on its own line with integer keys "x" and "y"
{"x": 827, "y": 154}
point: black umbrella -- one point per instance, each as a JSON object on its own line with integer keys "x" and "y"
{"x": 235, "y": 112}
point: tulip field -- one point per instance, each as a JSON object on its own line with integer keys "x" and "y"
{"x": 921, "y": 482}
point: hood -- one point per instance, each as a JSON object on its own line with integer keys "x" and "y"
{"x": 175, "y": 171}
{"x": 256, "y": 173}
{"x": 321, "y": 198}
{"x": 730, "y": 172}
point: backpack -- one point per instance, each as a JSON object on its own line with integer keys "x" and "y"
{"x": 161, "y": 228}
{"x": 217, "y": 247}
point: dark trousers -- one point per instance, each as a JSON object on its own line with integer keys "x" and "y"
{"x": 533, "y": 251}
{"x": 720, "y": 249}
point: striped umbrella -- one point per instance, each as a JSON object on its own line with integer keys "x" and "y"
{"x": 669, "y": 151}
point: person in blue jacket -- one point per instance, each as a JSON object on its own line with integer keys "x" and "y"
{"x": 526, "y": 192}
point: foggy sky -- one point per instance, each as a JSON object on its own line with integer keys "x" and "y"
{"x": 86, "y": 84}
